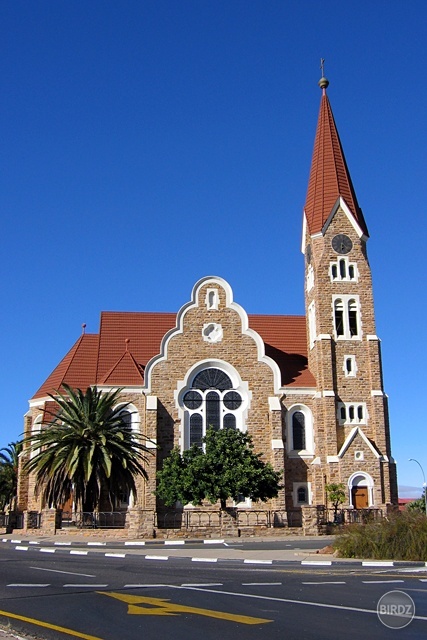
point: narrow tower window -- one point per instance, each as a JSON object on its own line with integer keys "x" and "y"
{"x": 352, "y": 317}
{"x": 298, "y": 431}
{"x": 339, "y": 318}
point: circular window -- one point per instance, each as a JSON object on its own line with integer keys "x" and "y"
{"x": 232, "y": 400}
{"x": 192, "y": 400}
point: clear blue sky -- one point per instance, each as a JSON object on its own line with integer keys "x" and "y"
{"x": 145, "y": 144}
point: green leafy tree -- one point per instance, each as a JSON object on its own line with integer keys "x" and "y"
{"x": 9, "y": 461}
{"x": 87, "y": 447}
{"x": 336, "y": 495}
{"x": 227, "y": 467}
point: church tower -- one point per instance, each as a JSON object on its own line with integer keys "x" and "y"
{"x": 350, "y": 416}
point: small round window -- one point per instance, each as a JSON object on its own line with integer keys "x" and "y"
{"x": 232, "y": 400}
{"x": 192, "y": 400}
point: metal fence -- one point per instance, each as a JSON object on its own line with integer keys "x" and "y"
{"x": 202, "y": 518}
{"x": 93, "y": 520}
{"x": 12, "y": 520}
{"x": 348, "y": 516}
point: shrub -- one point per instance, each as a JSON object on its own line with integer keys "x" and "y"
{"x": 401, "y": 536}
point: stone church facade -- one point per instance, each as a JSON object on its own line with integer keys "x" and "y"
{"x": 308, "y": 389}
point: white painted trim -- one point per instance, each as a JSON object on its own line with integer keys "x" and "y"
{"x": 304, "y": 232}
{"x": 376, "y": 392}
{"x": 307, "y": 487}
{"x": 373, "y": 337}
{"x": 151, "y": 403}
{"x": 151, "y": 443}
{"x": 299, "y": 391}
{"x": 341, "y": 203}
{"x": 194, "y": 302}
{"x": 328, "y": 394}
{"x": 324, "y": 336}
{"x": 369, "y": 484}
{"x": 351, "y": 436}
{"x": 332, "y": 459}
{"x": 274, "y": 403}
{"x": 277, "y": 443}
{"x": 309, "y": 432}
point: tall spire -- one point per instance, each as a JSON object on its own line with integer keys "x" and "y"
{"x": 329, "y": 175}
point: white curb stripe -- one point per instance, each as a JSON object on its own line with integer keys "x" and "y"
{"x": 47, "y": 550}
{"x": 213, "y": 541}
{"x": 317, "y": 563}
{"x": 250, "y": 561}
{"x": 96, "y": 544}
{"x": 174, "y": 542}
{"x": 139, "y": 543}
{"x": 115, "y": 555}
{"x": 90, "y": 586}
{"x": 21, "y": 548}
{"x": 157, "y": 557}
{"x": 78, "y": 553}
{"x": 204, "y": 559}
{"x": 366, "y": 563}
{"x": 28, "y": 585}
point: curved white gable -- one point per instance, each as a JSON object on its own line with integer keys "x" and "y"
{"x": 218, "y": 281}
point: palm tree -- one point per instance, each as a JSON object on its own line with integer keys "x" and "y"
{"x": 9, "y": 473}
{"x": 87, "y": 448}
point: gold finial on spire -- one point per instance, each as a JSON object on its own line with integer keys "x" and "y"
{"x": 323, "y": 82}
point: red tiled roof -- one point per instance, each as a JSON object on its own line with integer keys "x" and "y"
{"x": 78, "y": 368}
{"x": 128, "y": 340}
{"x": 143, "y": 330}
{"x": 126, "y": 368}
{"x": 329, "y": 175}
{"x": 285, "y": 339}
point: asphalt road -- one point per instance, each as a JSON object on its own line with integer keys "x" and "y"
{"x": 96, "y": 597}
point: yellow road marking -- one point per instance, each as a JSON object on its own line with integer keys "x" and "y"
{"x": 48, "y": 625}
{"x": 163, "y": 607}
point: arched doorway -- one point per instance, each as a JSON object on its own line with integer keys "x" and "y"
{"x": 361, "y": 488}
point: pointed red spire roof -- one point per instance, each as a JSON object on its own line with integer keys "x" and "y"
{"x": 329, "y": 175}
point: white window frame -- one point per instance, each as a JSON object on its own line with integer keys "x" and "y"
{"x": 308, "y": 452}
{"x": 310, "y": 278}
{"x": 352, "y": 413}
{"x": 353, "y": 369}
{"x": 301, "y": 485}
{"x": 36, "y": 428}
{"x": 212, "y": 299}
{"x": 339, "y": 276}
{"x": 346, "y": 301}
{"x": 237, "y": 385}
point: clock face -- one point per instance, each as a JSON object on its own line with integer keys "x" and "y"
{"x": 308, "y": 253}
{"x": 342, "y": 243}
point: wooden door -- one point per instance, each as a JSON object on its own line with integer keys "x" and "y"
{"x": 360, "y": 497}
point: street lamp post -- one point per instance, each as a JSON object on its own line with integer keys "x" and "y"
{"x": 424, "y": 483}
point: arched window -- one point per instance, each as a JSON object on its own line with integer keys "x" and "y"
{"x": 339, "y": 317}
{"x": 211, "y": 401}
{"x": 302, "y": 494}
{"x": 298, "y": 431}
{"x": 347, "y": 324}
{"x": 126, "y": 418}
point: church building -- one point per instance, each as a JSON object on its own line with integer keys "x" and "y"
{"x": 308, "y": 389}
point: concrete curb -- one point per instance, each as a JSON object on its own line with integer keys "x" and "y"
{"x": 310, "y": 557}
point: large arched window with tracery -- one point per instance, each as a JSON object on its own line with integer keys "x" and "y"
{"x": 211, "y": 401}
